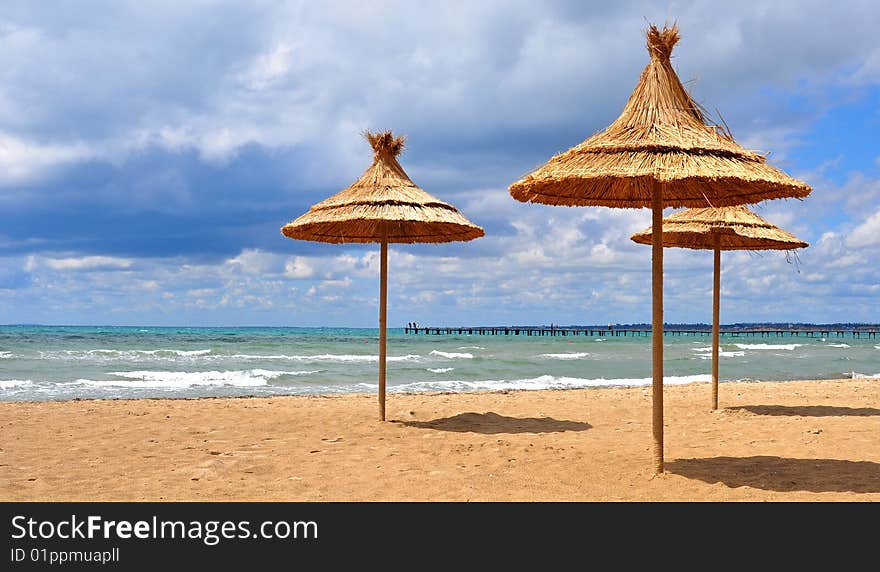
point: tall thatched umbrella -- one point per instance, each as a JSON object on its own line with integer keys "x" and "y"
{"x": 721, "y": 228}
{"x": 659, "y": 153}
{"x": 383, "y": 206}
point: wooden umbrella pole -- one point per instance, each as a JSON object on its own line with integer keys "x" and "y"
{"x": 716, "y": 323}
{"x": 383, "y": 320}
{"x": 657, "y": 323}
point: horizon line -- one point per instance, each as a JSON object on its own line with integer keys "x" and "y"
{"x": 421, "y": 326}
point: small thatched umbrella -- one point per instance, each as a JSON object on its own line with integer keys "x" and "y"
{"x": 383, "y": 206}
{"x": 721, "y": 228}
{"x": 659, "y": 153}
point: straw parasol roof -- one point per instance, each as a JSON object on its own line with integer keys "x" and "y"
{"x": 383, "y": 202}
{"x": 725, "y": 228}
{"x": 719, "y": 228}
{"x": 383, "y": 206}
{"x": 660, "y": 152}
{"x": 661, "y": 136}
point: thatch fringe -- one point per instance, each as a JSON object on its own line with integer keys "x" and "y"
{"x": 725, "y": 228}
{"x": 383, "y": 204}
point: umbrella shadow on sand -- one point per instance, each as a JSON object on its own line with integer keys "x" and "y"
{"x": 808, "y": 410}
{"x": 783, "y": 474}
{"x": 492, "y": 424}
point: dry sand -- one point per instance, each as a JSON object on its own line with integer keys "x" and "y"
{"x": 790, "y": 441}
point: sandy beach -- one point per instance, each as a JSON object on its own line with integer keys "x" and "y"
{"x": 779, "y": 441}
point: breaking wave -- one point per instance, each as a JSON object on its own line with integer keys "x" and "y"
{"x": 540, "y": 382}
{"x": 10, "y": 383}
{"x": 183, "y": 379}
{"x": 452, "y": 355}
{"x": 566, "y": 356}
{"x": 768, "y": 346}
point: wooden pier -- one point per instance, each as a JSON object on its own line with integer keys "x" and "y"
{"x": 633, "y": 332}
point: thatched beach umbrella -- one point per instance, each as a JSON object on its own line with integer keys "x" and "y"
{"x": 383, "y": 206}
{"x": 721, "y": 228}
{"x": 659, "y": 153}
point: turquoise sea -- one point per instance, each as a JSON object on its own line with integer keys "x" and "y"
{"x": 68, "y": 362}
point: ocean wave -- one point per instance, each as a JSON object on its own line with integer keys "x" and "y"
{"x": 159, "y": 352}
{"x": 856, "y": 375}
{"x": 724, "y": 354}
{"x": 768, "y": 346}
{"x": 122, "y": 355}
{"x": 838, "y": 345}
{"x": 5, "y": 355}
{"x": 346, "y": 358}
{"x": 184, "y": 379}
{"x": 721, "y": 353}
{"x": 471, "y": 348}
{"x": 535, "y": 383}
{"x": 599, "y": 340}
{"x": 451, "y": 355}
{"x": 568, "y": 356}
{"x": 10, "y": 383}
{"x": 440, "y": 369}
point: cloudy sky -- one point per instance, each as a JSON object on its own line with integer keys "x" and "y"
{"x": 150, "y": 152}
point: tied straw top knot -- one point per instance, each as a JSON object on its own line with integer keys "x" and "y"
{"x": 385, "y": 144}
{"x": 661, "y": 42}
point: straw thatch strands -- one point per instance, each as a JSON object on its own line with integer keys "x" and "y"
{"x": 384, "y": 202}
{"x": 660, "y": 137}
{"x": 659, "y": 153}
{"x": 383, "y": 206}
{"x": 722, "y": 228}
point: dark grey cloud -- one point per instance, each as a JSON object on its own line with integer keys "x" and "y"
{"x": 181, "y": 135}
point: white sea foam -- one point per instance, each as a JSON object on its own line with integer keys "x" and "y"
{"x": 122, "y": 355}
{"x": 345, "y": 358}
{"x": 272, "y": 374}
{"x": 440, "y": 369}
{"x": 856, "y": 375}
{"x": 182, "y": 353}
{"x": 877, "y": 347}
{"x": 451, "y": 355}
{"x": 768, "y": 346}
{"x": 838, "y": 345}
{"x": 568, "y": 356}
{"x": 5, "y": 355}
{"x": 10, "y": 383}
{"x": 184, "y": 379}
{"x": 471, "y": 348}
{"x": 724, "y": 354}
{"x": 599, "y": 340}
{"x": 540, "y": 382}
{"x": 721, "y": 353}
